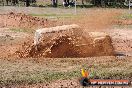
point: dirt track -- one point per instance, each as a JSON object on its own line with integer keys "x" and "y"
{"x": 88, "y": 23}
{"x": 11, "y": 41}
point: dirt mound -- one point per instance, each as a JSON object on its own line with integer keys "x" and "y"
{"x": 71, "y": 42}
{"x": 19, "y": 20}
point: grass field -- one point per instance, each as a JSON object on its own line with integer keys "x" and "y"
{"x": 42, "y": 70}
{"x": 21, "y": 71}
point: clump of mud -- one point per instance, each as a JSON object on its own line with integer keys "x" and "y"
{"x": 59, "y": 48}
{"x": 19, "y": 20}
{"x": 69, "y": 43}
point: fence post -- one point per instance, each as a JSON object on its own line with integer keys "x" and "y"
{"x": 129, "y": 6}
{"x": 75, "y": 7}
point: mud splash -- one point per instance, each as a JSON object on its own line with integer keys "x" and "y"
{"x": 69, "y": 43}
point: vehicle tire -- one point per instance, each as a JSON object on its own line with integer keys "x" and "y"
{"x": 84, "y": 81}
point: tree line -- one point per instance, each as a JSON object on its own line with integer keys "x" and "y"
{"x": 15, "y": 2}
{"x": 67, "y": 3}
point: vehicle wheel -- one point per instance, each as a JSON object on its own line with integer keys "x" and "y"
{"x": 85, "y": 81}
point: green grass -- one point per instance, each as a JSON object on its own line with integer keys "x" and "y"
{"x": 51, "y": 16}
{"x": 126, "y": 16}
{"x": 31, "y": 71}
{"x": 18, "y": 30}
{"x": 22, "y": 30}
{"x": 28, "y": 77}
{"x": 123, "y": 26}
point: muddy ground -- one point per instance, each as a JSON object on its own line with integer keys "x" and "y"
{"x": 104, "y": 20}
